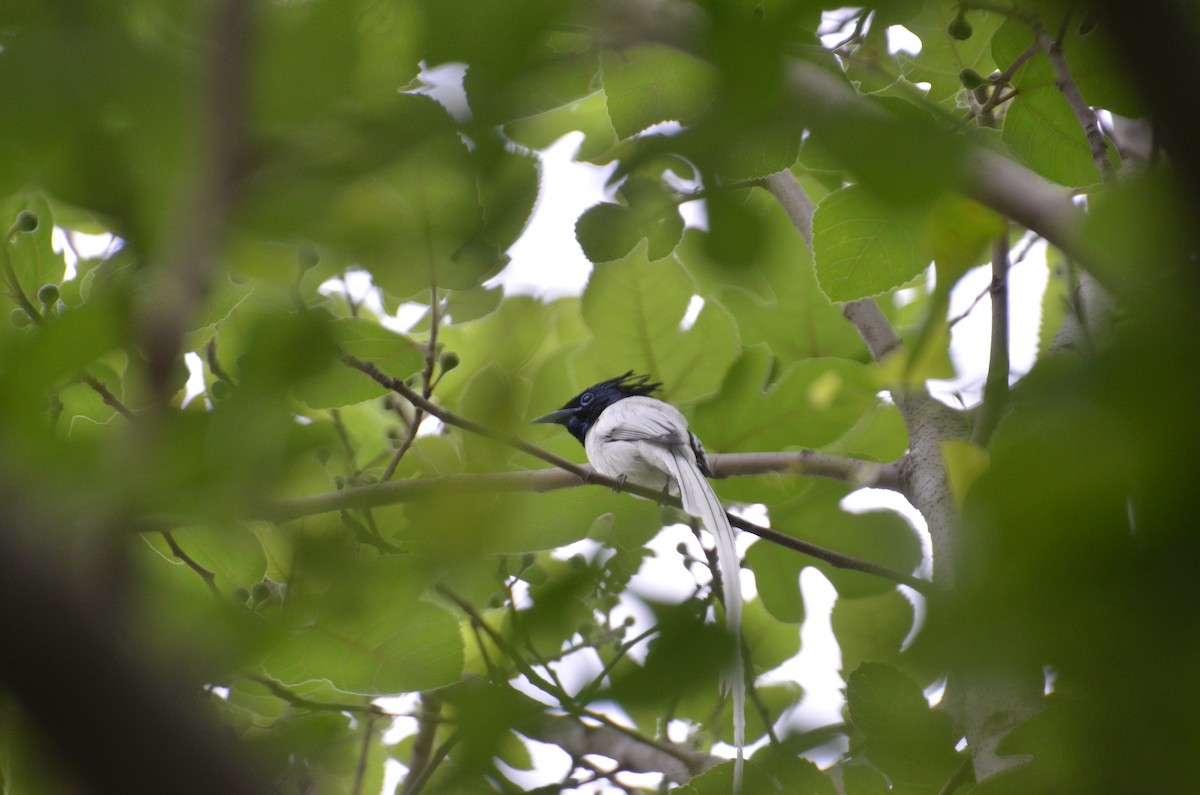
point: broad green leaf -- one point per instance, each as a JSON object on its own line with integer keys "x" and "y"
{"x": 769, "y": 283}
{"x": 634, "y": 308}
{"x": 810, "y": 404}
{"x": 905, "y": 739}
{"x": 608, "y": 232}
{"x": 371, "y": 633}
{"x": 1042, "y": 132}
{"x": 871, "y": 628}
{"x": 587, "y": 115}
{"x": 29, "y": 253}
{"x": 882, "y": 537}
{"x": 864, "y": 246}
{"x": 943, "y": 57}
{"x": 649, "y": 83}
{"x": 339, "y": 385}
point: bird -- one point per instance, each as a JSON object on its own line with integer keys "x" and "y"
{"x": 631, "y": 436}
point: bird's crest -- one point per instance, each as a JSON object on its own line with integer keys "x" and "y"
{"x": 629, "y": 384}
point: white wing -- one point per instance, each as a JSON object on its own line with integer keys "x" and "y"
{"x": 647, "y": 441}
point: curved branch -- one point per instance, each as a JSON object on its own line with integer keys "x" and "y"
{"x": 588, "y": 475}
{"x": 804, "y": 463}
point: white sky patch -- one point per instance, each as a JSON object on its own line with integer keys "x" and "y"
{"x": 970, "y": 338}
{"x": 901, "y": 39}
{"x": 444, "y": 83}
{"x": 80, "y": 245}
{"x": 546, "y": 260}
{"x": 195, "y": 382}
{"x": 693, "y": 311}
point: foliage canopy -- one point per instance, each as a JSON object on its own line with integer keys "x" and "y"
{"x": 209, "y": 596}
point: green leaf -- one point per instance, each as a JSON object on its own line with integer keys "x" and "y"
{"x": 905, "y": 739}
{"x": 588, "y": 115}
{"x": 881, "y": 537}
{"x": 864, "y": 246}
{"x": 766, "y": 279}
{"x": 810, "y": 404}
{"x": 339, "y": 385}
{"x": 634, "y": 308}
{"x": 607, "y": 232}
{"x": 370, "y": 633}
{"x": 649, "y": 83}
{"x": 871, "y": 628}
{"x": 943, "y": 57}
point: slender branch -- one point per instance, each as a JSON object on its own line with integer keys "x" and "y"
{"x": 297, "y": 700}
{"x": 197, "y": 226}
{"x": 871, "y": 324}
{"x": 995, "y": 389}
{"x": 795, "y": 201}
{"x": 427, "y": 384}
{"x": 107, "y": 396}
{"x": 1083, "y": 112}
{"x": 960, "y": 776}
{"x": 588, "y": 475}
{"x": 363, "y": 753}
{"x": 14, "y": 284}
{"x": 178, "y": 551}
{"x": 214, "y": 364}
{"x": 686, "y": 757}
{"x": 804, "y": 463}
{"x": 420, "y": 779}
{"x": 428, "y": 721}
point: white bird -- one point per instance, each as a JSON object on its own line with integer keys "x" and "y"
{"x": 633, "y": 437}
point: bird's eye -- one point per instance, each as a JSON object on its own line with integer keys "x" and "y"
{"x": 585, "y": 398}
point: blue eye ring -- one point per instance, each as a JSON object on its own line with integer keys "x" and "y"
{"x": 585, "y": 398}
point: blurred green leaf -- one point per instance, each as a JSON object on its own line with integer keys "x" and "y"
{"x": 635, "y": 307}
{"x": 649, "y": 83}
{"x": 907, "y": 740}
{"x": 871, "y": 628}
{"x": 608, "y": 232}
{"x": 370, "y": 633}
{"x": 864, "y": 246}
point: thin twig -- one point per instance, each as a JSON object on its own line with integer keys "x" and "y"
{"x": 428, "y": 721}
{"x": 297, "y": 700}
{"x": 805, "y": 463}
{"x": 960, "y": 776}
{"x": 363, "y": 753}
{"x": 1084, "y": 113}
{"x": 565, "y": 701}
{"x": 588, "y": 475}
{"x": 187, "y": 560}
{"x": 427, "y": 384}
{"x": 422, "y": 778}
{"x": 214, "y": 364}
{"x": 107, "y": 396}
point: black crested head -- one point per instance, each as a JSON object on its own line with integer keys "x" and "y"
{"x": 582, "y": 410}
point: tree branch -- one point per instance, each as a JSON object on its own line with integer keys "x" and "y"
{"x": 871, "y": 324}
{"x": 995, "y": 389}
{"x": 588, "y": 475}
{"x": 187, "y": 560}
{"x": 795, "y": 201}
{"x": 804, "y": 463}
{"x": 197, "y": 225}
{"x": 1070, "y": 91}
{"x": 658, "y": 750}
{"x": 112, "y": 716}
{"x": 297, "y": 700}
